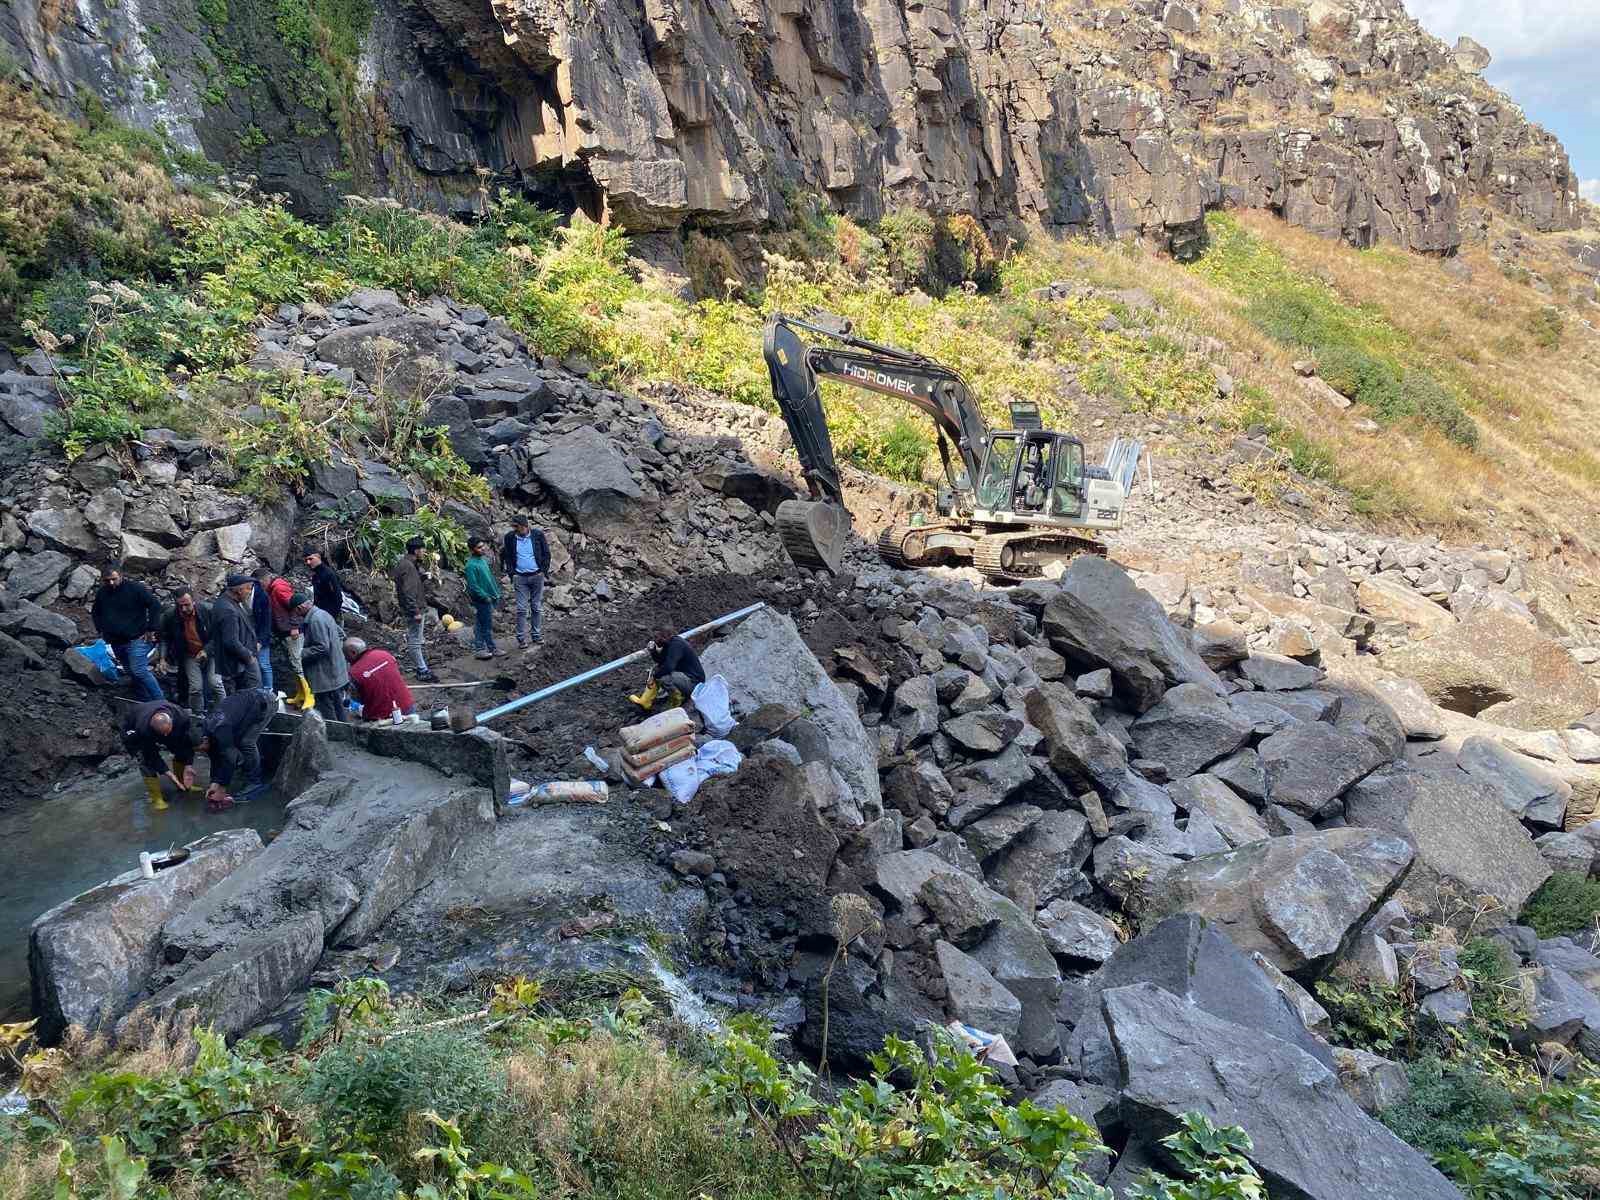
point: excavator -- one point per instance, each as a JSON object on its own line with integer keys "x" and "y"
{"x": 1013, "y": 501}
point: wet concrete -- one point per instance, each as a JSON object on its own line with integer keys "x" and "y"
{"x": 83, "y": 835}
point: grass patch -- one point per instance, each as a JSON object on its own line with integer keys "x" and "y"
{"x": 1566, "y": 903}
{"x": 1358, "y": 352}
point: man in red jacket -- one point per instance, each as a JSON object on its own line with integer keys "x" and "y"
{"x": 376, "y": 680}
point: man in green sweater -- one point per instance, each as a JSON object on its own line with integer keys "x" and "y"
{"x": 484, "y": 590}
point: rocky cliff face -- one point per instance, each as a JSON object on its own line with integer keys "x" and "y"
{"x": 1342, "y": 115}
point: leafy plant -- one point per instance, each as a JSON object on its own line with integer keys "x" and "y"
{"x": 1447, "y": 1101}
{"x": 1213, "y": 1161}
{"x": 1368, "y": 1016}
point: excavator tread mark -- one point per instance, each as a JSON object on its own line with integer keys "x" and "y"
{"x": 1015, "y": 557}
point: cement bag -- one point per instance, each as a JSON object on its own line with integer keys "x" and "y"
{"x": 656, "y": 753}
{"x": 653, "y": 731}
{"x": 643, "y": 775}
{"x": 714, "y": 758}
{"x": 711, "y": 702}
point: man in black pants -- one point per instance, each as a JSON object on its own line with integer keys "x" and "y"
{"x": 231, "y": 737}
{"x": 327, "y": 592}
{"x": 677, "y": 669}
{"x": 147, "y": 730}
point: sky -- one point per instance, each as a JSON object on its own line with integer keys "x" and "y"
{"x": 1545, "y": 56}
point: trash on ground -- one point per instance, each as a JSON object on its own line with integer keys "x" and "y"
{"x": 985, "y": 1047}
{"x": 594, "y": 758}
{"x": 583, "y": 926}
{"x": 683, "y": 779}
{"x": 711, "y": 702}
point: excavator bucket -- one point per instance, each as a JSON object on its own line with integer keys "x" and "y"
{"x": 814, "y": 533}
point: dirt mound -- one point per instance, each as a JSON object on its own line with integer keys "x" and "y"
{"x": 57, "y": 728}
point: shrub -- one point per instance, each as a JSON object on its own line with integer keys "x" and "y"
{"x": 1566, "y": 903}
{"x": 1368, "y": 1016}
{"x": 905, "y": 449}
{"x": 1447, "y": 1102}
{"x": 908, "y": 238}
{"x": 367, "y": 1093}
{"x": 711, "y": 265}
{"x": 1546, "y": 327}
{"x": 1436, "y": 405}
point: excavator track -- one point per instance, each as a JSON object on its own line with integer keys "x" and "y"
{"x": 1015, "y": 557}
{"x": 907, "y": 545}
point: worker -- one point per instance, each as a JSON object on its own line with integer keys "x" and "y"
{"x": 407, "y": 576}
{"x": 287, "y": 635}
{"x": 234, "y": 643}
{"x": 327, "y": 590}
{"x": 147, "y": 730}
{"x": 677, "y": 668}
{"x": 127, "y": 614}
{"x": 185, "y": 632}
{"x": 376, "y": 680}
{"x": 322, "y": 656}
{"x": 231, "y": 737}
{"x": 525, "y": 555}
{"x": 484, "y": 592}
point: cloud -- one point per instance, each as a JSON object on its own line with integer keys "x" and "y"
{"x": 1517, "y": 32}
{"x": 1589, "y": 189}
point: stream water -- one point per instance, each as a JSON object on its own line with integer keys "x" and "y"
{"x": 81, "y": 836}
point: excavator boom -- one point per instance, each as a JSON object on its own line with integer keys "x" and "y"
{"x": 1005, "y": 538}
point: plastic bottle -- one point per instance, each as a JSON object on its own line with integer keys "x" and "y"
{"x": 147, "y": 864}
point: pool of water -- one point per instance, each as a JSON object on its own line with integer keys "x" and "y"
{"x": 84, "y": 835}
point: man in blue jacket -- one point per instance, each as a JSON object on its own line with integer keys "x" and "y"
{"x": 525, "y": 555}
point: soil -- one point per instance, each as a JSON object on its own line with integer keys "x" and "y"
{"x": 56, "y": 731}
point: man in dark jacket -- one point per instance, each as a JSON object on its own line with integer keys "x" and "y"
{"x": 323, "y": 657}
{"x": 147, "y": 730}
{"x": 234, "y": 643}
{"x": 407, "y": 576}
{"x": 525, "y": 555}
{"x": 327, "y": 592}
{"x": 185, "y": 632}
{"x": 127, "y": 614}
{"x": 677, "y": 669}
{"x": 231, "y": 737}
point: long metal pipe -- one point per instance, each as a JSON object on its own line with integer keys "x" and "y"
{"x": 605, "y": 668}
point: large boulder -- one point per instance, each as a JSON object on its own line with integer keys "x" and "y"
{"x": 1308, "y": 765}
{"x": 590, "y": 480}
{"x": 1016, "y": 955}
{"x": 36, "y": 574}
{"x": 92, "y": 956}
{"x": 1100, "y": 618}
{"x": 1191, "y": 958}
{"x": 387, "y": 354}
{"x": 1464, "y": 837}
{"x": 765, "y": 661}
{"x": 1501, "y": 669}
{"x": 1188, "y": 729}
{"x": 63, "y": 528}
{"x": 1535, "y": 794}
{"x": 1080, "y": 751}
{"x": 1046, "y": 862}
{"x": 1298, "y": 900}
{"x": 1233, "y": 817}
{"x": 1393, "y": 599}
{"x": 973, "y": 996}
{"x": 1308, "y": 1138}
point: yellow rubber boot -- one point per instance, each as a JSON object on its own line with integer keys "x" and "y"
{"x": 647, "y": 698}
{"x": 152, "y": 788}
{"x": 303, "y": 699}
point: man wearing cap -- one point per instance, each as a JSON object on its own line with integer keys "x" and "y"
{"x": 322, "y": 656}
{"x": 233, "y": 636}
{"x": 407, "y": 576}
{"x": 525, "y": 555}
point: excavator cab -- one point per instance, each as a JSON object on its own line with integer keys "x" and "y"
{"x": 1033, "y": 473}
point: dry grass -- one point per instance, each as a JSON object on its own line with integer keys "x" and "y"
{"x": 1537, "y": 466}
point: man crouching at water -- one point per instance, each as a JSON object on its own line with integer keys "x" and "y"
{"x": 147, "y": 730}
{"x": 231, "y": 736}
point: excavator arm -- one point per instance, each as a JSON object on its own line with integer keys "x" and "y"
{"x": 814, "y": 533}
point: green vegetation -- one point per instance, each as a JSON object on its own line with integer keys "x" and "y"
{"x": 1564, "y": 904}
{"x": 1503, "y": 1120}
{"x": 1357, "y": 351}
{"x": 523, "y": 1093}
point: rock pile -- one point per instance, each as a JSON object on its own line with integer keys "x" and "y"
{"x": 1070, "y": 782}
